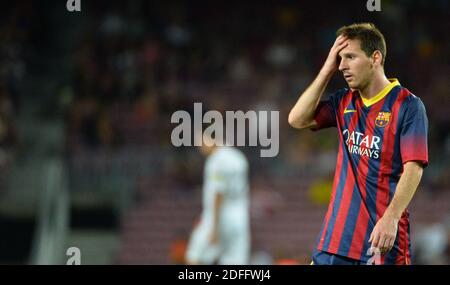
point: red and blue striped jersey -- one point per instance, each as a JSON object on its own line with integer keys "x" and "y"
{"x": 376, "y": 137}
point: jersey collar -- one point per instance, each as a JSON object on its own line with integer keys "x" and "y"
{"x": 382, "y": 93}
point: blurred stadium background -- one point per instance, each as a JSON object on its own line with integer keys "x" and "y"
{"x": 85, "y": 106}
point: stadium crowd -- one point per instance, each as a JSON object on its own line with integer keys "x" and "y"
{"x": 14, "y": 37}
{"x": 138, "y": 62}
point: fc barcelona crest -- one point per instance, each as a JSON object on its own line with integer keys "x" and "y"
{"x": 382, "y": 119}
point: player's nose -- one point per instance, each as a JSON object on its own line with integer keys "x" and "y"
{"x": 342, "y": 65}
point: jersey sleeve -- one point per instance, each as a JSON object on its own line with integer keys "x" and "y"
{"x": 414, "y": 133}
{"x": 325, "y": 114}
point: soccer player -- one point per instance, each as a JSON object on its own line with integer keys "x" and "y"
{"x": 382, "y": 129}
{"x": 223, "y": 234}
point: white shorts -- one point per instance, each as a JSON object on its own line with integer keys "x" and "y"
{"x": 233, "y": 247}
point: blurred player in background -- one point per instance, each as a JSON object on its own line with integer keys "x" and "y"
{"x": 223, "y": 234}
{"x": 382, "y": 151}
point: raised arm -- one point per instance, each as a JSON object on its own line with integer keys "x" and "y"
{"x": 302, "y": 114}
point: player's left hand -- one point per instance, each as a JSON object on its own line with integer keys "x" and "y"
{"x": 384, "y": 234}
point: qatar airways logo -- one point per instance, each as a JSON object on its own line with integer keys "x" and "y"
{"x": 361, "y": 144}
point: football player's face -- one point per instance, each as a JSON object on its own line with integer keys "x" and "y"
{"x": 355, "y": 65}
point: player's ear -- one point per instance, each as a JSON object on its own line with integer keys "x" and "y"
{"x": 376, "y": 57}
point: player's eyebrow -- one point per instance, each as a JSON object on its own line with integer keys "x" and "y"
{"x": 347, "y": 54}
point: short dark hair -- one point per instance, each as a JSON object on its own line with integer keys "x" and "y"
{"x": 370, "y": 37}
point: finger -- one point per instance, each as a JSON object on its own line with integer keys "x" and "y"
{"x": 381, "y": 241}
{"x": 339, "y": 43}
{"x": 376, "y": 240}
{"x": 343, "y": 40}
{"x": 385, "y": 245}
{"x": 341, "y": 46}
{"x": 373, "y": 235}
{"x": 339, "y": 40}
{"x": 391, "y": 243}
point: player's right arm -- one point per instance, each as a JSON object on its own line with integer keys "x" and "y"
{"x": 302, "y": 114}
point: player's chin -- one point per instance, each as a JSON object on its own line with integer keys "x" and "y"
{"x": 352, "y": 84}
